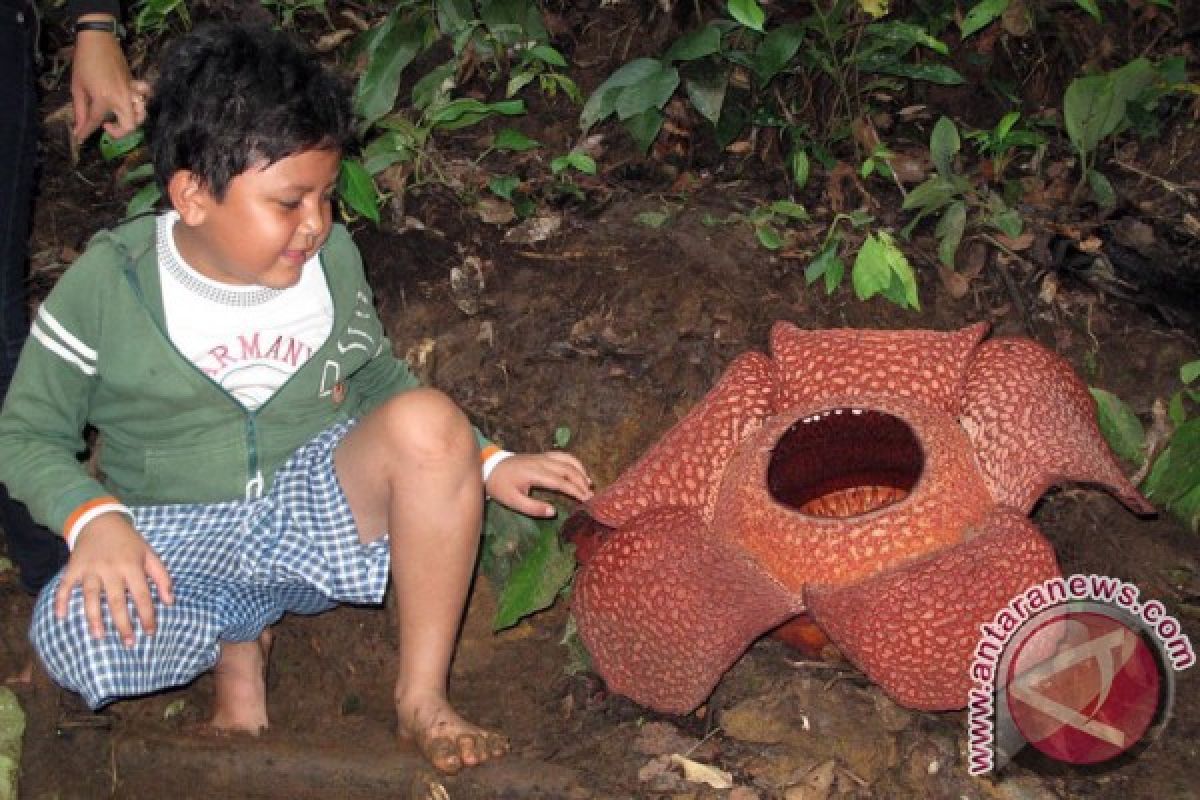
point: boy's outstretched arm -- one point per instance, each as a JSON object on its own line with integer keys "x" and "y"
{"x": 515, "y": 477}
{"x": 110, "y": 560}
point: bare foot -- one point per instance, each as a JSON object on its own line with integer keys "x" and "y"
{"x": 241, "y": 678}
{"x": 444, "y": 738}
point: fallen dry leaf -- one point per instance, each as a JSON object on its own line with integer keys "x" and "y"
{"x": 1192, "y": 224}
{"x": 333, "y": 40}
{"x": 467, "y": 284}
{"x": 816, "y": 785}
{"x": 1091, "y": 244}
{"x": 1017, "y": 243}
{"x": 956, "y": 285}
{"x": 495, "y": 211}
{"x": 695, "y": 772}
{"x": 535, "y": 229}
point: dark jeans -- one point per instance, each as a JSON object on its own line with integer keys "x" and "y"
{"x": 37, "y": 552}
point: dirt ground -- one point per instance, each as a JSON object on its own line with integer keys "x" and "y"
{"x": 614, "y": 329}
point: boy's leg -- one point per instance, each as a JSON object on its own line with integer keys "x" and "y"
{"x": 411, "y": 469}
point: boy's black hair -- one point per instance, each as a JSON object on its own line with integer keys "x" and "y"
{"x": 230, "y": 97}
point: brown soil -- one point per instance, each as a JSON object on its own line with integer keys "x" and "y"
{"x": 614, "y": 329}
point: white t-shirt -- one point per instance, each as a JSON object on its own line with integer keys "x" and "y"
{"x": 248, "y": 339}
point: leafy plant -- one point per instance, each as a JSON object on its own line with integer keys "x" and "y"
{"x": 1002, "y": 142}
{"x": 1096, "y": 107}
{"x": 880, "y": 268}
{"x": 828, "y": 265}
{"x": 769, "y": 219}
{"x": 958, "y": 203}
{"x": 1172, "y": 478}
{"x": 499, "y": 33}
{"x": 153, "y": 17}
{"x": 737, "y": 71}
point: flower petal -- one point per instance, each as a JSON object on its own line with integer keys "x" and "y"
{"x": 664, "y": 609}
{"x": 684, "y": 468}
{"x": 927, "y": 366}
{"x": 914, "y": 630}
{"x": 1033, "y": 424}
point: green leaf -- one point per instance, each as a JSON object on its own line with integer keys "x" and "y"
{"x": 140, "y": 173}
{"x": 435, "y": 85}
{"x": 1090, "y": 7}
{"x": 504, "y": 186}
{"x": 582, "y": 162}
{"x": 397, "y": 44}
{"x": 903, "y": 35}
{"x": 652, "y": 93}
{"x": 562, "y": 436}
{"x": 930, "y": 73}
{"x": 776, "y": 51}
{"x": 931, "y": 195}
{"x": 1102, "y": 189}
{"x": 603, "y": 101}
{"x": 518, "y": 81}
{"x": 768, "y": 237}
{"x": 798, "y": 163}
{"x": 944, "y": 145}
{"x": 652, "y": 219}
{"x": 547, "y": 54}
{"x": 514, "y": 141}
{"x": 870, "y": 274}
{"x": 981, "y": 16}
{"x": 949, "y": 231}
{"x": 536, "y": 581}
{"x": 358, "y": 189}
{"x": 466, "y": 111}
{"x": 695, "y": 44}
{"x": 1009, "y": 222}
{"x": 827, "y": 265}
{"x": 747, "y": 12}
{"x": 880, "y": 267}
{"x": 144, "y": 200}
{"x": 706, "y": 89}
{"x": 788, "y": 208}
{"x": 1121, "y": 428}
{"x": 111, "y": 149}
{"x": 644, "y": 128}
{"x": 1189, "y": 371}
{"x": 1176, "y": 472}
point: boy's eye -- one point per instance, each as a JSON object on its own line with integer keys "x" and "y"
{"x": 290, "y": 205}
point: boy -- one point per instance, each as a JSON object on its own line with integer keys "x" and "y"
{"x": 263, "y": 451}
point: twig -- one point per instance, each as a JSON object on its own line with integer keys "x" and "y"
{"x": 816, "y": 665}
{"x": 1183, "y": 190}
{"x": 1009, "y": 284}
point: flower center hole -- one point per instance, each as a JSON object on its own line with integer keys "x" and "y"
{"x": 845, "y": 462}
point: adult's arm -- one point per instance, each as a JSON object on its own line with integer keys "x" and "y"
{"x": 103, "y": 91}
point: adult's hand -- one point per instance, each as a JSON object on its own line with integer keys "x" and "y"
{"x": 103, "y": 92}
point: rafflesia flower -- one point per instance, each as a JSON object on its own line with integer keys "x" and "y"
{"x": 878, "y": 481}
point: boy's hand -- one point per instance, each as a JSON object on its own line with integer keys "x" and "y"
{"x": 110, "y": 560}
{"x": 513, "y": 479}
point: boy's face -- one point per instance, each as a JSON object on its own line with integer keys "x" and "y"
{"x": 270, "y": 222}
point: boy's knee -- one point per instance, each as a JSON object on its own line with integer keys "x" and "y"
{"x": 426, "y": 424}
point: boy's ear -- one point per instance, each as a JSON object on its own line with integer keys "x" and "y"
{"x": 189, "y": 195}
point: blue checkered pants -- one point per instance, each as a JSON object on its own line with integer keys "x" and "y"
{"x": 236, "y": 567}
